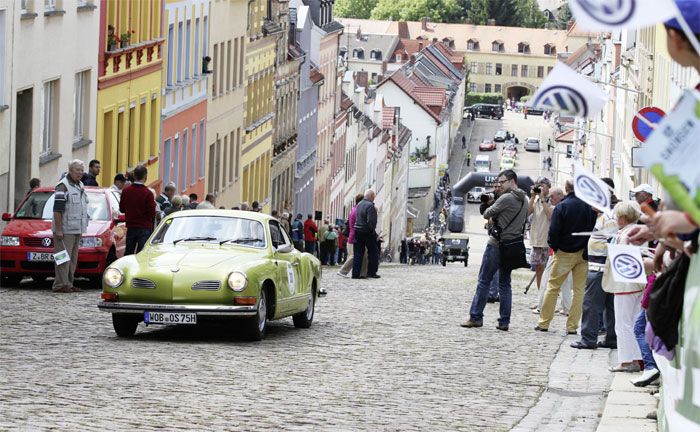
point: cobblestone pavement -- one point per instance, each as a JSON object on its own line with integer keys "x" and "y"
{"x": 384, "y": 354}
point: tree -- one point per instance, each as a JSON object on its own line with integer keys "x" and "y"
{"x": 530, "y": 14}
{"x": 480, "y": 11}
{"x": 564, "y": 16}
{"x": 354, "y": 8}
{"x": 505, "y": 12}
{"x": 414, "y": 10}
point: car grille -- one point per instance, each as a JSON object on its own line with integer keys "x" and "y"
{"x": 207, "y": 285}
{"x": 7, "y": 263}
{"x": 38, "y": 242}
{"x": 142, "y": 283}
{"x": 37, "y": 265}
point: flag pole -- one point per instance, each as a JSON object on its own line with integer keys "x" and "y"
{"x": 688, "y": 32}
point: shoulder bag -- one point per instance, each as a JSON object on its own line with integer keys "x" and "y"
{"x": 512, "y": 252}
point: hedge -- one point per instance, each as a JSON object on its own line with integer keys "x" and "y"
{"x": 490, "y": 98}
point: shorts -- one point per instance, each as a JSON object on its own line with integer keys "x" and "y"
{"x": 539, "y": 255}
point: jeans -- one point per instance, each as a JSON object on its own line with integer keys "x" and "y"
{"x": 136, "y": 239}
{"x": 310, "y": 247}
{"x": 489, "y": 266}
{"x": 493, "y": 289}
{"x": 299, "y": 245}
{"x": 365, "y": 241}
{"x": 639, "y": 327}
{"x": 342, "y": 255}
{"x": 595, "y": 302}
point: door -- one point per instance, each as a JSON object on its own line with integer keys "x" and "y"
{"x": 23, "y": 144}
{"x": 287, "y": 264}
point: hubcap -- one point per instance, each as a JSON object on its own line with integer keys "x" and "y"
{"x": 262, "y": 313}
{"x": 310, "y": 310}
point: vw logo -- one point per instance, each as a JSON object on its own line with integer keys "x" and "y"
{"x": 588, "y": 188}
{"x": 563, "y": 99}
{"x": 175, "y": 269}
{"x": 612, "y": 12}
{"x": 46, "y": 242}
{"x": 627, "y": 266}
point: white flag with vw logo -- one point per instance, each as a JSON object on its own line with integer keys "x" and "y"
{"x": 626, "y": 264}
{"x": 607, "y": 15}
{"x": 565, "y": 91}
{"x": 591, "y": 190}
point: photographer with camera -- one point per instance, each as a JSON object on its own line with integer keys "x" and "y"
{"x": 508, "y": 214}
{"x": 541, "y": 210}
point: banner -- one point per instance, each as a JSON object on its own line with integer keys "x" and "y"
{"x": 626, "y": 264}
{"x": 607, "y": 15}
{"x": 566, "y": 91}
{"x": 591, "y": 190}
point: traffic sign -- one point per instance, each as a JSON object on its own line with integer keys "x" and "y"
{"x": 641, "y": 128}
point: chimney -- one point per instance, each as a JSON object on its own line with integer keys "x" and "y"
{"x": 424, "y": 23}
{"x": 569, "y": 25}
{"x": 491, "y": 22}
{"x": 413, "y": 59}
{"x": 420, "y": 46}
{"x": 435, "y": 40}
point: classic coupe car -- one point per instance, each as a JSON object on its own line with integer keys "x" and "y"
{"x": 507, "y": 162}
{"x": 213, "y": 264}
{"x": 487, "y": 145}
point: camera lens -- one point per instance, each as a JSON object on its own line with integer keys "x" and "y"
{"x": 537, "y": 190}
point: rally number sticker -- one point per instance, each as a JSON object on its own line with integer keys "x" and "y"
{"x": 290, "y": 279}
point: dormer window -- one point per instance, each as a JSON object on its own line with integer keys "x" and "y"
{"x": 358, "y": 53}
{"x": 375, "y": 54}
{"x": 473, "y": 45}
{"x": 343, "y": 52}
{"x": 550, "y": 49}
{"x": 524, "y": 48}
{"x": 497, "y": 46}
{"x": 398, "y": 58}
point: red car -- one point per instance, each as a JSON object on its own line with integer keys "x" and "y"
{"x": 487, "y": 145}
{"x": 26, "y": 247}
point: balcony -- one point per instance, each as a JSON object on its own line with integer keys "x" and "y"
{"x": 132, "y": 58}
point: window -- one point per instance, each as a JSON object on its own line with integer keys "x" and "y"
{"x": 276, "y": 234}
{"x": 188, "y": 39}
{"x": 358, "y": 53}
{"x": 215, "y": 72}
{"x": 514, "y": 70}
{"x": 193, "y": 156}
{"x": 232, "y": 156}
{"x": 472, "y": 67}
{"x": 343, "y": 52}
{"x": 2, "y": 57}
{"x": 523, "y": 71}
{"x": 375, "y": 55}
{"x": 487, "y": 88}
{"x": 227, "y": 72}
{"x": 472, "y": 87}
{"x": 167, "y": 151}
{"x": 489, "y": 68}
{"x": 398, "y": 58}
{"x": 549, "y": 69}
{"x": 497, "y": 46}
{"x": 205, "y": 36}
{"x": 524, "y": 48}
{"x": 473, "y": 45}
{"x": 171, "y": 42}
{"x": 50, "y": 5}
{"x": 197, "y": 69}
{"x": 497, "y": 88}
{"x": 50, "y": 120}
{"x": 179, "y": 52}
{"x": 202, "y": 146}
{"x": 550, "y": 50}
{"x": 175, "y": 161}
{"x": 499, "y": 69}
{"x": 540, "y": 71}
{"x": 183, "y": 161}
{"x": 81, "y": 101}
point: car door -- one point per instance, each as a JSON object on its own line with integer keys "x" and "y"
{"x": 285, "y": 265}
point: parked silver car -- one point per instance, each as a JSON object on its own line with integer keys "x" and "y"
{"x": 532, "y": 144}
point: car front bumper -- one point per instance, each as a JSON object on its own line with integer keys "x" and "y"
{"x": 205, "y": 310}
{"x": 13, "y": 260}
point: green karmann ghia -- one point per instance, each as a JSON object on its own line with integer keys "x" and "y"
{"x": 213, "y": 264}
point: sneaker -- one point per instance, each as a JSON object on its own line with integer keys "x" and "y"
{"x": 374, "y": 277}
{"x": 470, "y": 323}
{"x": 602, "y": 344}
{"x": 630, "y": 367}
{"x": 563, "y": 312}
{"x": 345, "y": 275}
{"x": 536, "y": 311}
{"x": 75, "y": 289}
{"x": 502, "y": 327}
{"x": 538, "y": 328}
{"x": 63, "y": 289}
{"x": 647, "y": 377}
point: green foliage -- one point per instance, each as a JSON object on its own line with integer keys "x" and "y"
{"x": 525, "y": 98}
{"x": 514, "y": 13}
{"x": 413, "y": 10}
{"x": 564, "y": 16}
{"x": 530, "y": 14}
{"x": 354, "y": 8}
{"x": 489, "y": 98}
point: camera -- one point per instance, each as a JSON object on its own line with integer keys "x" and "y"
{"x": 486, "y": 197}
{"x": 537, "y": 190}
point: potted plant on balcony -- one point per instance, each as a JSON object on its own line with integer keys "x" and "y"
{"x": 125, "y": 38}
{"x": 112, "y": 39}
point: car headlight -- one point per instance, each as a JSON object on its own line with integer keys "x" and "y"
{"x": 113, "y": 277}
{"x": 90, "y": 242}
{"x": 237, "y": 281}
{"x": 9, "y": 241}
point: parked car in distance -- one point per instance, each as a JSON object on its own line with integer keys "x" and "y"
{"x": 535, "y": 111}
{"x": 487, "y": 145}
{"x": 474, "y": 194}
{"x": 211, "y": 265}
{"x": 532, "y": 144}
{"x": 507, "y": 162}
{"x": 27, "y": 245}
{"x": 500, "y": 136}
{"x": 482, "y": 163}
{"x": 510, "y": 150}
{"x": 456, "y": 248}
{"x": 486, "y": 110}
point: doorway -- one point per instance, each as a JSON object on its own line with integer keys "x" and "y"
{"x": 23, "y": 143}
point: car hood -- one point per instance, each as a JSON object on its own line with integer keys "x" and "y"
{"x": 42, "y": 228}
{"x": 198, "y": 258}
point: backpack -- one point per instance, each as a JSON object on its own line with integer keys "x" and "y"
{"x": 330, "y": 236}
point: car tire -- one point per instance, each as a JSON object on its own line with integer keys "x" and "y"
{"x": 11, "y": 280}
{"x": 39, "y": 278}
{"x": 304, "y": 319}
{"x": 125, "y": 324}
{"x": 257, "y": 325}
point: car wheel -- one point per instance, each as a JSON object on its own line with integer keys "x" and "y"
{"x": 11, "y": 280}
{"x": 39, "y": 278}
{"x": 256, "y": 326}
{"x": 304, "y": 319}
{"x": 125, "y": 324}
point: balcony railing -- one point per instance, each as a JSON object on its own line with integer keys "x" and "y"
{"x": 132, "y": 57}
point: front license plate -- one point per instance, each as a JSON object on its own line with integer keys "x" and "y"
{"x": 150, "y": 317}
{"x": 39, "y": 256}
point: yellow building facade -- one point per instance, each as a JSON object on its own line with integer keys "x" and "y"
{"x": 256, "y": 155}
{"x": 129, "y": 88}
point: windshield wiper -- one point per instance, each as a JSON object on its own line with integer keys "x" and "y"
{"x": 194, "y": 239}
{"x": 244, "y": 240}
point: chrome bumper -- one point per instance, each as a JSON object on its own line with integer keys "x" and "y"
{"x": 205, "y": 310}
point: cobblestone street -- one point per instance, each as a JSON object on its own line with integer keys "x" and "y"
{"x": 381, "y": 355}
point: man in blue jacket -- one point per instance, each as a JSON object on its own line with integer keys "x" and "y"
{"x": 570, "y": 216}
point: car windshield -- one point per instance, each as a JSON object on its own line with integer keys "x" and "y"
{"x": 219, "y": 229}
{"x": 39, "y": 205}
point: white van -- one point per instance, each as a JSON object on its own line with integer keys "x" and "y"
{"x": 482, "y": 163}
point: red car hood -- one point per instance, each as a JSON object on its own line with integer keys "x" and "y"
{"x": 42, "y": 228}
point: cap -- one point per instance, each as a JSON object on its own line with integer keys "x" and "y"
{"x": 690, "y": 10}
{"x": 643, "y": 188}
{"x": 544, "y": 180}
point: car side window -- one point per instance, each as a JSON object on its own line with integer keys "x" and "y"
{"x": 114, "y": 204}
{"x": 276, "y": 234}
{"x": 285, "y": 237}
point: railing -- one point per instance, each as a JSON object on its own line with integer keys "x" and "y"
{"x": 132, "y": 57}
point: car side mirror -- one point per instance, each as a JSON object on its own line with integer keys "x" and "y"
{"x": 121, "y": 218}
{"x": 7, "y": 217}
{"x": 285, "y": 248}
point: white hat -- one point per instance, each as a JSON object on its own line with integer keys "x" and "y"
{"x": 643, "y": 188}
